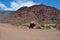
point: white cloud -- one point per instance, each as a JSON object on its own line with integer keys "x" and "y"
{"x": 2, "y": 6}
{"x": 17, "y": 4}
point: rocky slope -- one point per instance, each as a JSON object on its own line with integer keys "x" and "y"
{"x": 39, "y": 13}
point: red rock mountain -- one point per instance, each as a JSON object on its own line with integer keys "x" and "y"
{"x": 39, "y": 13}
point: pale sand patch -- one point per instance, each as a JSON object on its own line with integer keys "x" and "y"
{"x": 9, "y": 32}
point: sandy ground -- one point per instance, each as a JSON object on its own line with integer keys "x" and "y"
{"x": 9, "y": 32}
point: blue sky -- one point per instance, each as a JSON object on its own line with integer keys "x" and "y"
{"x": 16, "y": 4}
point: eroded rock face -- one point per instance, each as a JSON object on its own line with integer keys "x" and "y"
{"x": 34, "y": 25}
{"x": 41, "y": 13}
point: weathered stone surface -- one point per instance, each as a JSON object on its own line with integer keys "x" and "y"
{"x": 40, "y": 13}
{"x": 34, "y": 25}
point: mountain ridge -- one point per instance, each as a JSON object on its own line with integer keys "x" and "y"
{"x": 39, "y": 13}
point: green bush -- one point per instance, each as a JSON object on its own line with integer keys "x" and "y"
{"x": 42, "y": 25}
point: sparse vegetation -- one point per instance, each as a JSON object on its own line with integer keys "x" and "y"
{"x": 42, "y": 26}
{"x": 5, "y": 21}
{"x": 20, "y": 25}
{"x": 16, "y": 24}
{"x": 58, "y": 27}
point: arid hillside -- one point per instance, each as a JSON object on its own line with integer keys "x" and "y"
{"x": 39, "y": 13}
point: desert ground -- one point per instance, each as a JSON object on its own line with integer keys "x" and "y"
{"x": 10, "y": 32}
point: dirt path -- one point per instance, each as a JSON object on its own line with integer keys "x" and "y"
{"x": 9, "y": 32}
